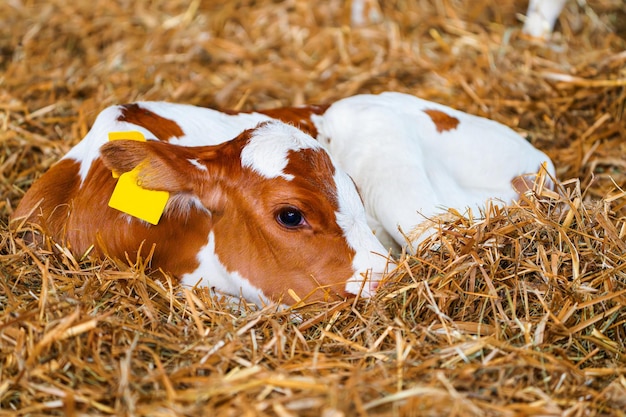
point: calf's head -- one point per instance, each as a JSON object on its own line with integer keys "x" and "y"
{"x": 285, "y": 222}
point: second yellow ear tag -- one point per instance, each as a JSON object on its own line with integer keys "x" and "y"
{"x": 128, "y": 197}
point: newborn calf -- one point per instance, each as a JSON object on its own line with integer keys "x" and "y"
{"x": 270, "y": 211}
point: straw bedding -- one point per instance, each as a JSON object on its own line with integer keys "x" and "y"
{"x": 520, "y": 311}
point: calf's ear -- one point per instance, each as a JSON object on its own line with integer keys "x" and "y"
{"x": 159, "y": 166}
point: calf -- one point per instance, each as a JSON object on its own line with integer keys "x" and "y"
{"x": 225, "y": 222}
{"x": 264, "y": 215}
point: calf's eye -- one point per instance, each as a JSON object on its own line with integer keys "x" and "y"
{"x": 290, "y": 217}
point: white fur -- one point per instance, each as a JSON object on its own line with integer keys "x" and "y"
{"x": 541, "y": 17}
{"x": 202, "y": 126}
{"x": 88, "y": 149}
{"x": 406, "y": 170}
{"x": 370, "y": 260}
{"x": 267, "y": 150}
{"x": 182, "y": 204}
{"x": 212, "y": 273}
{"x": 198, "y": 165}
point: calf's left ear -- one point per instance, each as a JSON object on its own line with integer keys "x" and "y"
{"x": 161, "y": 166}
{"x": 157, "y": 164}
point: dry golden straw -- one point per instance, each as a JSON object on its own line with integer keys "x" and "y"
{"x": 517, "y": 311}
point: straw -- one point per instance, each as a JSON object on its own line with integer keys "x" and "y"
{"x": 519, "y": 310}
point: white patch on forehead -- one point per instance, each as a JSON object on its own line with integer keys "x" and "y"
{"x": 269, "y": 145}
{"x": 370, "y": 257}
{"x": 212, "y": 273}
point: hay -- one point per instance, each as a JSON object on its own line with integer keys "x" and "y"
{"x": 520, "y": 313}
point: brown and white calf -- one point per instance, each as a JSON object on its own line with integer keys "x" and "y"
{"x": 256, "y": 216}
{"x": 269, "y": 210}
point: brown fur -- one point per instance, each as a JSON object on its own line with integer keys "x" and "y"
{"x": 243, "y": 208}
{"x": 299, "y": 117}
{"x": 443, "y": 122}
{"x": 162, "y": 128}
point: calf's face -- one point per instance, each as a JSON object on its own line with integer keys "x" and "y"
{"x": 286, "y": 224}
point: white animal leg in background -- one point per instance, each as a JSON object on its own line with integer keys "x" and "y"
{"x": 541, "y": 17}
{"x": 363, "y": 12}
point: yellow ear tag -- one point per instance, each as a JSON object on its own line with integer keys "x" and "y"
{"x": 128, "y": 197}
